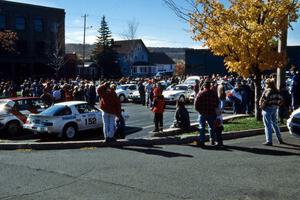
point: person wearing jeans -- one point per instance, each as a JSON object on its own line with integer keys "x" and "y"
{"x": 109, "y": 127}
{"x": 270, "y": 122}
{"x": 269, "y": 102}
{"x": 202, "y": 121}
{"x": 206, "y": 103}
{"x": 110, "y": 106}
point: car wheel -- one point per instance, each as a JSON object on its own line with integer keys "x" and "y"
{"x": 122, "y": 98}
{"x": 181, "y": 98}
{"x": 13, "y": 128}
{"x": 70, "y": 131}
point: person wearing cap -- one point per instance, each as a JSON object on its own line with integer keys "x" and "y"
{"x": 269, "y": 102}
{"x": 206, "y": 103}
{"x": 110, "y": 106}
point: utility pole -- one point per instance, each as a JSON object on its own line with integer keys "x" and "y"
{"x": 282, "y": 49}
{"x": 84, "y": 30}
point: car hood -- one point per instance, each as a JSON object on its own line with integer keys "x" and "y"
{"x": 173, "y": 92}
{"x": 135, "y": 93}
{"x": 118, "y": 91}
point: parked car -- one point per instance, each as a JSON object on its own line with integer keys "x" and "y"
{"x": 191, "y": 80}
{"x": 293, "y": 123}
{"x": 124, "y": 90}
{"x": 134, "y": 97}
{"x": 65, "y": 119}
{"x": 178, "y": 93}
{"x": 14, "y": 112}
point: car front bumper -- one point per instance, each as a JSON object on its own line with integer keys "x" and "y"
{"x": 38, "y": 128}
{"x": 294, "y": 128}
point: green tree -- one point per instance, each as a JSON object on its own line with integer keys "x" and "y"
{"x": 104, "y": 54}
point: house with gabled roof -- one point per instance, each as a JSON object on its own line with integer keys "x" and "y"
{"x": 135, "y": 59}
{"x": 131, "y": 52}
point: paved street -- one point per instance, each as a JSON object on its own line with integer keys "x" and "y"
{"x": 139, "y": 125}
{"x": 243, "y": 170}
{"x": 142, "y": 118}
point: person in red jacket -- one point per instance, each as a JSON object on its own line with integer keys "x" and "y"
{"x": 158, "y": 110}
{"x": 111, "y": 109}
{"x": 206, "y": 103}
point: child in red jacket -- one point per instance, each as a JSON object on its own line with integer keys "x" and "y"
{"x": 158, "y": 110}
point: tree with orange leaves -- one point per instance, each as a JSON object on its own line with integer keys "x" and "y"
{"x": 243, "y": 32}
{"x": 7, "y": 40}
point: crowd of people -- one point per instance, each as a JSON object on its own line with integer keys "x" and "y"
{"x": 211, "y": 97}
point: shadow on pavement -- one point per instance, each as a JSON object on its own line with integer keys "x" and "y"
{"x": 272, "y": 152}
{"x": 155, "y": 151}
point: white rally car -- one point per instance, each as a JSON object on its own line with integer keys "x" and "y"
{"x": 14, "y": 112}
{"x": 178, "y": 93}
{"x": 293, "y": 123}
{"x": 65, "y": 119}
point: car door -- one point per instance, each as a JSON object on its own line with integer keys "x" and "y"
{"x": 132, "y": 88}
{"x": 88, "y": 119}
{"x": 189, "y": 91}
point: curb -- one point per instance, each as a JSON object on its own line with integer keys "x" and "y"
{"x": 172, "y": 140}
{"x": 194, "y": 126}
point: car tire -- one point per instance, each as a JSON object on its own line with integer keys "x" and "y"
{"x": 13, "y": 128}
{"x": 122, "y": 98}
{"x": 181, "y": 98}
{"x": 70, "y": 131}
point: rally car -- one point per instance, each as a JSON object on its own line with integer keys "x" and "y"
{"x": 65, "y": 119}
{"x": 178, "y": 93}
{"x": 293, "y": 123}
{"x": 14, "y": 112}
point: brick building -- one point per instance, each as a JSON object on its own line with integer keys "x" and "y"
{"x": 40, "y": 31}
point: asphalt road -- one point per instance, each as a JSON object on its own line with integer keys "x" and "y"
{"x": 139, "y": 125}
{"x": 244, "y": 170}
{"x": 141, "y": 118}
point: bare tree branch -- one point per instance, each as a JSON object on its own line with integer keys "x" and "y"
{"x": 131, "y": 32}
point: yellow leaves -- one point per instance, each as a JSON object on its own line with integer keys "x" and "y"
{"x": 243, "y": 31}
{"x": 7, "y": 39}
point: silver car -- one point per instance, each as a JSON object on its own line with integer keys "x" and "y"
{"x": 65, "y": 119}
{"x": 293, "y": 123}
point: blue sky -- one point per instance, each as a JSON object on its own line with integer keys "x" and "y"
{"x": 158, "y": 25}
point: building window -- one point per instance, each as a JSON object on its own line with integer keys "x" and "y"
{"x": 20, "y": 23}
{"x": 40, "y": 48}
{"x": 22, "y": 47}
{"x": 2, "y": 22}
{"x": 54, "y": 27}
{"x": 38, "y": 24}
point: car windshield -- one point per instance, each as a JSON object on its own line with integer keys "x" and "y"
{"x": 122, "y": 87}
{"x": 180, "y": 87}
{"x": 190, "y": 81}
{"x": 53, "y": 110}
